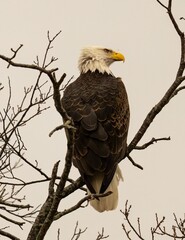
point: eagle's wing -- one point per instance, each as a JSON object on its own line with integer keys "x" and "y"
{"x": 99, "y": 107}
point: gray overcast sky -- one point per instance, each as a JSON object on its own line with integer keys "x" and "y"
{"x": 142, "y": 31}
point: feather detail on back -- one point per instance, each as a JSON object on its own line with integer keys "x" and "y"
{"x": 109, "y": 202}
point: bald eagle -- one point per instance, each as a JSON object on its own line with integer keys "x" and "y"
{"x": 98, "y": 104}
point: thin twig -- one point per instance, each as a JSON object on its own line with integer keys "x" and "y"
{"x": 77, "y": 232}
{"x": 126, "y": 213}
{"x": 28, "y": 66}
{"x": 58, "y": 234}
{"x": 15, "y": 53}
{"x": 66, "y": 125}
{"x": 162, "y": 4}
{"x": 127, "y": 232}
{"x": 153, "y": 140}
{"x": 134, "y": 163}
{"x": 154, "y": 230}
{"x": 101, "y": 235}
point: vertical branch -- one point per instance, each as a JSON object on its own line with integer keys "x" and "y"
{"x": 182, "y": 39}
{"x": 58, "y": 193}
{"x": 39, "y": 221}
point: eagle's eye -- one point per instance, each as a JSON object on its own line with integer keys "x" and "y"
{"x": 107, "y": 50}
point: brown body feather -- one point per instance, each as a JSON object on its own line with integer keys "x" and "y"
{"x": 98, "y": 105}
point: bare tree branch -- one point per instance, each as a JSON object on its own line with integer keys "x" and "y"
{"x": 155, "y": 229}
{"x": 66, "y": 125}
{"x": 177, "y": 231}
{"x": 15, "y": 53}
{"x": 162, "y": 4}
{"x": 180, "y": 33}
{"x": 153, "y": 140}
{"x": 101, "y": 235}
{"x": 20, "y": 224}
{"x": 28, "y": 66}
{"x": 77, "y": 232}
{"x": 172, "y": 89}
{"x": 177, "y": 91}
{"x": 153, "y": 113}
{"x": 8, "y": 235}
{"x": 134, "y": 163}
{"x": 12, "y": 118}
{"x": 126, "y": 213}
{"x": 87, "y": 198}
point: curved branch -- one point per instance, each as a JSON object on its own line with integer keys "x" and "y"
{"x": 173, "y": 90}
{"x": 153, "y": 113}
{"x": 79, "y": 204}
{"x": 8, "y": 235}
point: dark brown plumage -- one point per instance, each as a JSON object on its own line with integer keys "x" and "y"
{"x": 99, "y": 107}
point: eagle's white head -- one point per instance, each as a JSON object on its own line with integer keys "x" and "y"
{"x": 98, "y": 58}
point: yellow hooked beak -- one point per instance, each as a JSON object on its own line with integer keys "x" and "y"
{"x": 118, "y": 56}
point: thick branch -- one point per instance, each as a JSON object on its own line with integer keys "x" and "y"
{"x": 44, "y": 209}
{"x": 57, "y": 196}
{"x": 51, "y": 205}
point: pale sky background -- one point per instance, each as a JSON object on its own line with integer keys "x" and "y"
{"x": 142, "y": 31}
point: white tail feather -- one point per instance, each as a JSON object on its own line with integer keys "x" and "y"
{"x": 111, "y": 201}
